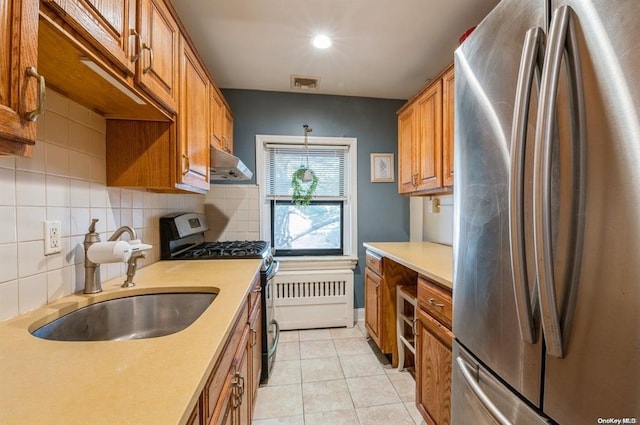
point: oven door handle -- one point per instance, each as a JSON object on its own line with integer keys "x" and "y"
{"x": 273, "y": 270}
{"x": 272, "y": 350}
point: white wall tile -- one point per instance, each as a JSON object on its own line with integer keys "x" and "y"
{"x": 56, "y": 129}
{"x": 98, "y": 170}
{"x": 138, "y": 199}
{"x": 30, "y": 189}
{"x": 113, "y": 195}
{"x": 126, "y": 198}
{"x": 34, "y": 164}
{"x": 32, "y": 292}
{"x": 8, "y": 300}
{"x": 58, "y": 194}
{"x": 7, "y": 162}
{"x": 79, "y": 113}
{"x": 76, "y": 250}
{"x": 98, "y": 195}
{"x": 113, "y": 219}
{"x": 62, "y": 214}
{"x": 81, "y": 137}
{"x": 80, "y": 193}
{"x": 8, "y": 224}
{"x": 30, "y": 223}
{"x": 80, "y": 221}
{"x": 59, "y": 260}
{"x": 137, "y": 217}
{"x": 31, "y": 259}
{"x": 56, "y": 160}
{"x": 101, "y": 215}
{"x": 59, "y": 283}
{"x": 79, "y": 165}
{"x": 126, "y": 217}
{"x": 7, "y": 187}
{"x": 9, "y": 269}
{"x": 56, "y": 103}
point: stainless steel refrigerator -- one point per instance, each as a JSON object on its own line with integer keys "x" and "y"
{"x": 546, "y": 286}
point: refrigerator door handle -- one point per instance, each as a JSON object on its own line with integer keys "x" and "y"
{"x": 482, "y": 397}
{"x": 531, "y": 60}
{"x": 562, "y": 37}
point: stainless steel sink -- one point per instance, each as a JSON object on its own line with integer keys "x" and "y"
{"x": 135, "y": 317}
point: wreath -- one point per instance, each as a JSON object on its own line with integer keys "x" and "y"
{"x": 301, "y": 196}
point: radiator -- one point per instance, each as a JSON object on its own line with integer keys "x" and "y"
{"x": 313, "y": 299}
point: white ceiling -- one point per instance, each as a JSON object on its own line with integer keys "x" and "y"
{"x": 381, "y": 48}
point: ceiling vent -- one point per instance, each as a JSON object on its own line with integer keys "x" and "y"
{"x": 302, "y": 82}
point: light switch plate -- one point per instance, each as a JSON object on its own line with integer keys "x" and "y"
{"x": 52, "y": 242}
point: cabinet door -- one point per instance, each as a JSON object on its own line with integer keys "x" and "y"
{"x": 255, "y": 348}
{"x": 448, "y": 107}
{"x": 433, "y": 374}
{"x": 217, "y": 117}
{"x": 193, "y": 118}
{"x": 428, "y": 154}
{"x": 157, "y": 63}
{"x": 227, "y": 139}
{"x": 105, "y": 23}
{"x": 407, "y": 177}
{"x": 372, "y": 301}
{"x": 18, "y": 90}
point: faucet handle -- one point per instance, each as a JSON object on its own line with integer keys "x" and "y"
{"x": 92, "y": 226}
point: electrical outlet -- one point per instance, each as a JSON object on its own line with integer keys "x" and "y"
{"x": 52, "y": 242}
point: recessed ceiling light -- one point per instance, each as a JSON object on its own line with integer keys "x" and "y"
{"x": 321, "y": 41}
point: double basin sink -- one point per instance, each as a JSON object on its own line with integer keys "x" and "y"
{"x": 134, "y": 317}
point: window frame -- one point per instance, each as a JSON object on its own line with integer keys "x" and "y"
{"x": 350, "y": 204}
{"x": 308, "y": 252}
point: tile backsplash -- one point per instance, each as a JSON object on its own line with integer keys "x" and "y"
{"x": 66, "y": 180}
{"x": 233, "y": 212}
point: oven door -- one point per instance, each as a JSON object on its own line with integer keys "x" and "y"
{"x": 271, "y": 329}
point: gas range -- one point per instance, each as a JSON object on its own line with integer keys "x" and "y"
{"x": 226, "y": 249}
{"x": 182, "y": 238}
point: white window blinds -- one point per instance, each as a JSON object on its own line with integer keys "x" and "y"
{"x": 328, "y": 162}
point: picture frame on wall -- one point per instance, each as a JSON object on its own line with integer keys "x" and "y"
{"x": 382, "y": 170}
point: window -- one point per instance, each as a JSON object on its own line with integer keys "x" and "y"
{"x": 326, "y": 226}
{"x": 313, "y": 230}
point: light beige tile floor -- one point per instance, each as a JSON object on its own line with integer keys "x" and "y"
{"x": 332, "y": 377}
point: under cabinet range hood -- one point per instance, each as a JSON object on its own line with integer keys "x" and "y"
{"x": 225, "y": 166}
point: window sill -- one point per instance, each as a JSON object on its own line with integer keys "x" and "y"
{"x": 329, "y": 262}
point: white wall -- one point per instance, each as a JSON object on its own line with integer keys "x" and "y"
{"x": 427, "y": 225}
{"x": 66, "y": 180}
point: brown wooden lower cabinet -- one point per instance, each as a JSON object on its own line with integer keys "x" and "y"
{"x": 433, "y": 370}
{"x": 229, "y": 394}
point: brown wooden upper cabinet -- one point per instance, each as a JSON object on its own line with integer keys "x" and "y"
{"x": 105, "y": 23}
{"x": 193, "y": 120}
{"x": 425, "y": 139}
{"x": 20, "y": 84}
{"x": 221, "y": 122}
{"x": 157, "y": 54}
{"x": 217, "y": 117}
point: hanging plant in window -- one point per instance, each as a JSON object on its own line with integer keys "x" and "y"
{"x": 304, "y": 181}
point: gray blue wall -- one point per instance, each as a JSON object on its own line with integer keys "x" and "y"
{"x": 383, "y": 215}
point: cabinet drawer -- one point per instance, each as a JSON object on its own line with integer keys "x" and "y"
{"x": 435, "y": 300}
{"x": 374, "y": 262}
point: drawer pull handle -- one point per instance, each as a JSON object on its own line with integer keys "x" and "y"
{"x": 258, "y": 289}
{"x": 434, "y": 303}
{"x": 254, "y": 337}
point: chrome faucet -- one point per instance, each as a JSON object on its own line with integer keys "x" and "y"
{"x": 92, "y": 281}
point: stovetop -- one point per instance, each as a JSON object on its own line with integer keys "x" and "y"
{"x": 228, "y": 249}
